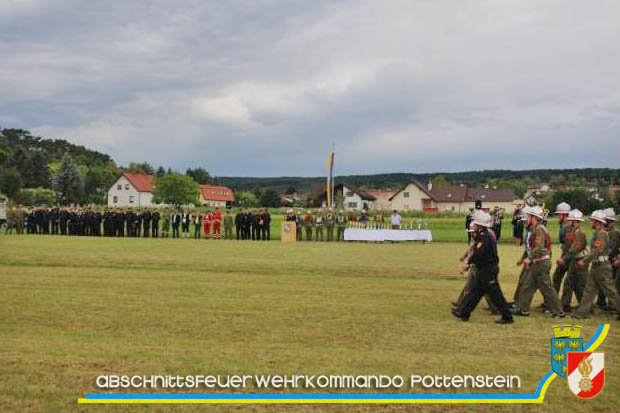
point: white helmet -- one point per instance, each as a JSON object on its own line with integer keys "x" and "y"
{"x": 575, "y": 215}
{"x": 598, "y": 215}
{"x": 483, "y": 219}
{"x": 562, "y": 208}
{"x": 524, "y": 212}
{"x": 537, "y": 212}
{"x": 610, "y": 214}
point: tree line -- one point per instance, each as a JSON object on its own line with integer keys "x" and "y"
{"x": 38, "y": 171}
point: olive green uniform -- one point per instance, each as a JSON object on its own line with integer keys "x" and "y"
{"x": 309, "y": 225}
{"x": 600, "y": 275}
{"x": 566, "y": 239}
{"x": 538, "y": 278}
{"x": 341, "y": 223}
{"x": 575, "y": 280}
{"x": 228, "y": 224}
{"x": 524, "y": 274}
{"x": 329, "y": 225}
{"x": 10, "y": 221}
{"x": 319, "y": 227}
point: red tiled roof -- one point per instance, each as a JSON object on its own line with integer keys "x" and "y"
{"x": 217, "y": 193}
{"x": 381, "y": 193}
{"x": 491, "y": 195}
{"x": 142, "y": 182}
{"x": 449, "y": 193}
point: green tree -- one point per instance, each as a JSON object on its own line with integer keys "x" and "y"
{"x": 160, "y": 172}
{"x": 200, "y": 175}
{"x": 440, "y": 180}
{"x": 269, "y": 198}
{"x": 176, "y": 189}
{"x": 10, "y": 182}
{"x": 67, "y": 183}
{"x": 36, "y": 196}
{"x": 97, "y": 182}
{"x": 140, "y": 168}
{"x": 246, "y": 199}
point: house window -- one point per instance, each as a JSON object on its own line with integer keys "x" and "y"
{"x": 131, "y": 199}
{"x": 119, "y": 187}
{"x": 115, "y": 200}
{"x": 352, "y": 204}
{"x": 127, "y": 187}
{"x": 349, "y": 194}
{"x": 405, "y": 194}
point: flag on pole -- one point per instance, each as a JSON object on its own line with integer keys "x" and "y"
{"x": 330, "y": 178}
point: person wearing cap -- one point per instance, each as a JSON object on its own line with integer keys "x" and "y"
{"x": 341, "y": 224}
{"x": 309, "y": 225}
{"x": 299, "y": 221}
{"x": 523, "y": 275}
{"x": 566, "y": 238}
{"x": 614, "y": 244}
{"x": 484, "y": 257}
{"x": 517, "y": 226}
{"x": 228, "y": 224}
{"x": 469, "y": 218}
{"x": 329, "y": 224}
{"x": 576, "y": 275}
{"x": 599, "y": 276}
{"x": 318, "y": 225}
{"x": 539, "y": 261}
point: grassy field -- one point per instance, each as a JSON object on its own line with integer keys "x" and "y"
{"x": 75, "y": 308}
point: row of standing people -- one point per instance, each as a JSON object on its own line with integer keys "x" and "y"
{"x": 328, "y": 224}
{"x": 119, "y": 223}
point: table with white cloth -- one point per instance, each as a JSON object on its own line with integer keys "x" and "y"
{"x": 380, "y": 235}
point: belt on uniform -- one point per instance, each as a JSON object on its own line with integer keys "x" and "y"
{"x": 541, "y": 259}
{"x": 601, "y": 260}
{"x": 582, "y": 254}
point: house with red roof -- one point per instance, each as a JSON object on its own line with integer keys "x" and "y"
{"x": 216, "y": 196}
{"x": 132, "y": 190}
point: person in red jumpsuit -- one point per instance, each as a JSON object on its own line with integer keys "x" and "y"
{"x": 217, "y": 221}
{"x": 206, "y": 219}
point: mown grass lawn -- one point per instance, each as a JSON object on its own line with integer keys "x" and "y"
{"x": 73, "y": 308}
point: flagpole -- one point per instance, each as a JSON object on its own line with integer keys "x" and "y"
{"x": 331, "y": 176}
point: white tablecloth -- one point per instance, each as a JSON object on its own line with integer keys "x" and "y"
{"x": 379, "y": 235}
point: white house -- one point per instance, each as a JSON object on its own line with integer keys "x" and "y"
{"x": 132, "y": 190}
{"x": 355, "y": 199}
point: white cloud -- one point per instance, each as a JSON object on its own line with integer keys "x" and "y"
{"x": 398, "y": 85}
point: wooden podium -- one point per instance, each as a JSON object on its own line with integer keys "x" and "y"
{"x": 288, "y": 231}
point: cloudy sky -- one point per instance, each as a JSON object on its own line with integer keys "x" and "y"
{"x": 262, "y": 88}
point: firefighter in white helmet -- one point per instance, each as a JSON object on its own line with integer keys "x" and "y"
{"x": 484, "y": 257}
{"x": 599, "y": 276}
{"x": 575, "y": 280}
{"x": 525, "y": 268}
{"x": 566, "y": 238}
{"x": 539, "y": 261}
{"x": 614, "y": 245}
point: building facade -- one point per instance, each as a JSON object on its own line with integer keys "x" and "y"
{"x": 216, "y": 196}
{"x": 132, "y": 190}
{"x": 356, "y": 199}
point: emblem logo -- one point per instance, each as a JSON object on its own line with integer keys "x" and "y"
{"x": 566, "y": 339}
{"x": 586, "y": 373}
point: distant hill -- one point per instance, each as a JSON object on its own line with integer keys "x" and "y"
{"x": 519, "y": 180}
